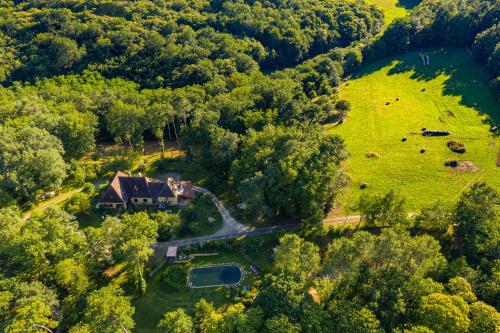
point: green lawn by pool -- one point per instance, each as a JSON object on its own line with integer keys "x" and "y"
{"x": 214, "y": 276}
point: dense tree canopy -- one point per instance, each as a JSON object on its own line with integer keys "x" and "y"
{"x": 288, "y": 171}
{"x": 175, "y": 43}
{"x": 242, "y": 86}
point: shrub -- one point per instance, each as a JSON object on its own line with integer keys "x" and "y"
{"x": 121, "y": 162}
{"x": 78, "y": 175}
{"x": 168, "y": 224}
{"x": 163, "y": 164}
{"x": 78, "y": 204}
{"x": 456, "y": 146}
{"x": 175, "y": 277}
{"x": 88, "y": 188}
{"x": 194, "y": 227}
{"x": 343, "y": 105}
{"x": 6, "y": 198}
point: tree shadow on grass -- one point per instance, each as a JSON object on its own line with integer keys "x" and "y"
{"x": 463, "y": 79}
{"x": 408, "y": 4}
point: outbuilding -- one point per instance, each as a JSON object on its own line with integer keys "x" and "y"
{"x": 171, "y": 254}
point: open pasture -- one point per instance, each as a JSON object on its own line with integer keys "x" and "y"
{"x": 396, "y": 98}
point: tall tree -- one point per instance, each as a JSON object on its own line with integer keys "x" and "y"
{"x": 444, "y": 313}
{"x": 126, "y": 122}
{"x": 109, "y": 311}
{"x": 30, "y": 161}
{"x": 382, "y": 210}
{"x": 477, "y": 219}
{"x": 176, "y": 322}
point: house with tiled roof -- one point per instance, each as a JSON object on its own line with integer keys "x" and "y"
{"x": 124, "y": 190}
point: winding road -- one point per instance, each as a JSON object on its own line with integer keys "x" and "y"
{"x": 231, "y": 228}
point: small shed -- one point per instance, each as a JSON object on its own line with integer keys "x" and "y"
{"x": 171, "y": 254}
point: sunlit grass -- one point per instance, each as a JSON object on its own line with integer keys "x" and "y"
{"x": 456, "y": 99}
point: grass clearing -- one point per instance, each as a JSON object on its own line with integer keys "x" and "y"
{"x": 394, "y": 8}
{"x": 456, "y": 98}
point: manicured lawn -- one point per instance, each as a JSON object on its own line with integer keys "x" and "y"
{"x": 150, "y": 307}
{"x": 456, "y": 99}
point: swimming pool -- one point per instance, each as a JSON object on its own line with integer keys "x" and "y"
{"x": 215, "y": 275}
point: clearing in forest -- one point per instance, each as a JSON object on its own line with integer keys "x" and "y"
{"x": 396, "y": 98}
{"x": 394, "y": 8}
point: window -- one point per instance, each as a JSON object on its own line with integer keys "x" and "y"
{"x": 144, "y": 200}
{"x": 136, "y": 200}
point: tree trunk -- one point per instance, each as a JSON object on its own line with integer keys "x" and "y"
{"x": 43, "y": 327}
{"x": 123, "y": 327}
{"x": 176, "y": 136}
{"x": 162, "y": 145}
{"x": 169, "y": 134}
{"x": 130, "y": 143}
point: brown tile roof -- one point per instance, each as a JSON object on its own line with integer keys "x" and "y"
{"x": 135, "y": 187}
{"x": 113, "y": 192}
{"x": 123, "y": 187}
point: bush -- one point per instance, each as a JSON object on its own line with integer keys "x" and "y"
{"x": 194, "y": 227}
{"x": 163, "y": 164}
{"x": 343, "y": 105}
{"x": 6, "y": 198}
{"x": 168, "y": 224}
{"x": 78, "y": 204}
{"x": 456, "y": 146}
{"x": 121, "y": 162}
{"x": 175, "y": 277}
{"x": 88, "y": 188}
{"x": 78, "y": 175}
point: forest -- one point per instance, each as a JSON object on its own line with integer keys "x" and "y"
{"x": 243, "y": 87}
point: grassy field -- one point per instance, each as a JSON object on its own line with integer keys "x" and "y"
{"x": 450, "y": 94}
{"x": 157, "y": 300}
{"x": 394, "y": 8}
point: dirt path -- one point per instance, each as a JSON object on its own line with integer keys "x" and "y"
{"x": 55, "y": 200}
{"x": 51, "y": 202}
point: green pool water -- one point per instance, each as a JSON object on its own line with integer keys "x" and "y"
{"x": 215, "y": 276}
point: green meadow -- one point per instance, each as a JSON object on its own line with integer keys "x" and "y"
{"x": 394, "y": 8}
{"x": 450, "y": 94}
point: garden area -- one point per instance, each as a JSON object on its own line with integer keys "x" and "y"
{"x": 168, "y": 289}
{"x": 393, "y": 100}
